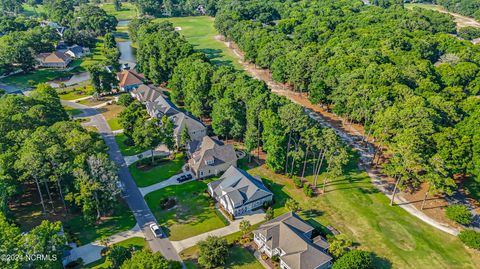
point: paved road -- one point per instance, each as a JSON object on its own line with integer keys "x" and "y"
{"x": 132, "y": 194}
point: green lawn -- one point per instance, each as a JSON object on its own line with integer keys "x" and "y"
{"x": 134, "y": 242}
{"x": 83, "y": 232}
{"x": 200, "y": 32}
{"x": 193, "y": 214}
{"x": 75, "y": 93}
{"x": 127, "y": 150}
{"x": 72, "y": 111}
{"x": 114, "y": 124}
{"x": 159, "y": 173}
{"x": 355, "y": 207}
{"x": 238, "y": 258}
{"x": 127, "y": 12}
{"x": 29, "y": 11}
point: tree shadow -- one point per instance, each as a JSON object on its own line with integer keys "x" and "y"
{"x": 381, "y": 262}
{"x": 319, "y": 228}
{"x": 279, "y": 196}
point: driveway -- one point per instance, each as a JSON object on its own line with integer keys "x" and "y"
{"x": 75, "y": 79}
{"x": 132, "y": 194}
{"x": 162, "y": 150}
{"x": 160, "y": 185}
{"x": 254, "y": 217}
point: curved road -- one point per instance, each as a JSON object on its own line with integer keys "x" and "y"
{"x": 132, "y": 194}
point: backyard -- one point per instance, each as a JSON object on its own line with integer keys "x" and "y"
{"x": 238, "y": 258}
{"x": 145, "y": 175}
{"x": 355, "y": 207}
{"x": 200, "y": 32}
{"x": 193, "y": 213}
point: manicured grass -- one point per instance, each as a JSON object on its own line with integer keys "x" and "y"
{"x": 95, "y": 102}
{"x": 127, "y": 150}
{"x": 37, "y": 76}
{"x": 355, "y": 207}
{"x": 161, "y": 172}
{"x": 111, "y": 114}
{"x": 72, "y": 111}
{"x": 84, "y": 232}
{"x": 138, "y": 243}
{"x": 193, "y": 214}
{"x": 238, "y": 258}
{"x": 127, "y": 12}
{"x": 75, "y": 93}
{"x": 200, "y": 32}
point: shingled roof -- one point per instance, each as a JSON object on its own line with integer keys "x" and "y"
{"x": 287, "y": 232}
{"x": 129, "y": 77}
{"x": 146, "y": 93}
{"x": 212, "y": 149}
{"x": 54, "y": 57}
{"x": 239, "y": 187}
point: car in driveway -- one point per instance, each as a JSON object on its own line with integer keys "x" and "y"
{"x": 157, "y": 232}
{"x": 184, "y": 178}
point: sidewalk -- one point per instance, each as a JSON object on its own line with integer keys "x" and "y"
{"x": 254, "y": 218}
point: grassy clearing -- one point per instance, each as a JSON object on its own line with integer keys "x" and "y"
{"x": 355, "y": 207}
{"x": 162, "y": 171}
{"x": 124, "y": 148}
{"x": 30, "y": 11}
{"x": 193, "y": 214}
{"x": 111, "y": 113}
{"x": 127, "y": 12}
{"x": 200, "y": 32}
{"x": 83, "y": 232}
{"x": 138, "y": 243}
{"x": 72, "y": 111}
{"x": 75, "y": 93}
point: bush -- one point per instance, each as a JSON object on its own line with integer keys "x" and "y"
{"x": 269, "y": 214}
{"x": 470, "y": 238}
{"x": 213, "y": 252}
{"x": 459, "y": 213}
{"x": 298, "y": 182}
{"x": 469, "y": 32}
{"x": 339, "y": 245}
{"x": 308, "y": 190}
{"x": 167, "y": 203}
{"x": 292, "y": 205}
{"x": 355, "y": 259}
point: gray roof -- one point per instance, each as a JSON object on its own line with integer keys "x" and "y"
{"x": 182, "y": 120}
{"x": 76, "y": 49}
{"x": 212, "y": 149}
{"x": 239, "y": 187}
{"x": 147, "y": 93}
{"x": 288, "y": 232}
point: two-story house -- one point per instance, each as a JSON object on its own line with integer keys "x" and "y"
{"x": 290, "y": 238}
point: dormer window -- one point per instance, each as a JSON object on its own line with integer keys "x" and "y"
{"x": 209, "y": 161}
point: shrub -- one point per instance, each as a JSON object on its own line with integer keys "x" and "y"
{"x": 269, "y": 214}
{"x": 167, "y": 203}
{"x": 308, "y": 190}
{"x": 339, "y": 245}
{"x": 292, "y": 205}
{"x": 213, "y": 252}
{"x": 470, "y": 238}
{"x": 355, "y": 259}
{"x": 298, "y": 182}
{"x": 459, "y": 213}
{"x": 275, "y": 258}
{"x": 118, "y": 255}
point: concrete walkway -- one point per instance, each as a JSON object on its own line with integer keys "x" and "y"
{"x": 254, "y": 217}
{"x": 92, "y": 252}
{"x": 160, "y": 185}
{"x": 159, "y": 151}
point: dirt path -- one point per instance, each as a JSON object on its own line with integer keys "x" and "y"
{"x": 460, "y": 20}
{"x": 353, "y": 135}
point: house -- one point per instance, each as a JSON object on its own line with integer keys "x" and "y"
{"x": 158, "y": 105}
{"x": 145, "y": 93}
{"x": 54, "y": 59}
{"x": 129, "y": 80}
{"x": 290, "y": 238}
{"x": 211, "y": 157}
{"x": 76, "y": 51}
{"x": 239, "y": 192}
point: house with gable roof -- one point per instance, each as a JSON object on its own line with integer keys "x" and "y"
{"x": 290, "y": 238}
{"x": 238, "y": 192}
{"x": 54, "y": 59}
{"x": 129, "y": 80}
{"x": 210, "y": 157}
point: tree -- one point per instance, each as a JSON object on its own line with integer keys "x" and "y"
{"x": 355, "y": 259}
{"x": 292, "y": 205}
{"x": 245, "y": 227}
{"x": 213, "y": 252}
{"x": 147, "y": 259}
{"x": 13, "y": 6}
{"x": 339, "y": 245}
{"x": 48, "y": 240}
{"x": 93, "y": 19}
{"x": 185, "y": 137}
{"x": 109, "y": 41}
{"x": 132, "y": 116}
{"x": 459, "y": 213}
{"x": 148, "y": 135}
{"x": 125, "y": 100}
{"x": 167, "y": 133}
{"x": 10, "y": 240}
{"x": 118, "y": 255}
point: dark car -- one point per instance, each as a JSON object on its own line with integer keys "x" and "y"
{"x": 182, "y": 178}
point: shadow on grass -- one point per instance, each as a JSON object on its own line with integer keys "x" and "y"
{"x": 279, "y": 196}
{"x": 381, "y": 262}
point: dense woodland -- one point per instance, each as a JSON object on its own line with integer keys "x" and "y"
{"x": 398, "y": 72}
{"x": 240, "y": 107}
{"x": 469, "y": 8}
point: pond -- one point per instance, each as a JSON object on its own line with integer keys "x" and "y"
{"x": 127, "y": 52}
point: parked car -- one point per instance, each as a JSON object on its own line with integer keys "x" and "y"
{"x": 182, "y": 178}
{"x": 156, "y": 230}
{"x": 189, "y": 176}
